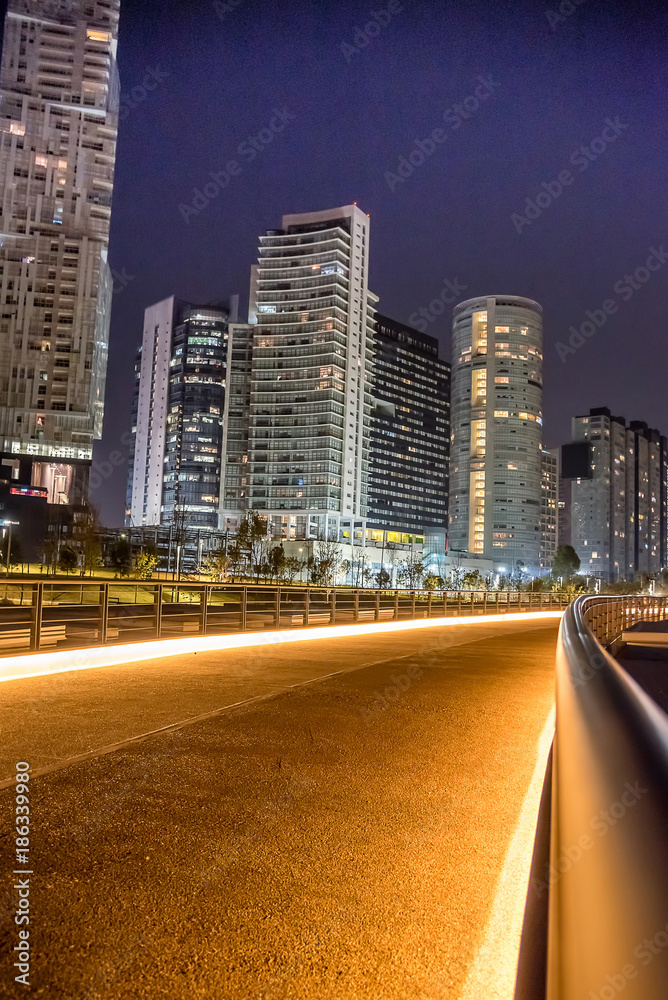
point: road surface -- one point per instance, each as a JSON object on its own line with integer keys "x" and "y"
{"x": 340, "y": 833}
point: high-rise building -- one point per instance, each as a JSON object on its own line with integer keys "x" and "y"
{"x": 613, "y": 496}
{"x": 495, "y": 466}
{"x": 311, "y": 372}
{"x": 179, "y": 406}
{"x": 236, "y": 483}
{"x": 549, "y": 493}
{"x": 58, "y": 128}
{"x": 410, "y": 431}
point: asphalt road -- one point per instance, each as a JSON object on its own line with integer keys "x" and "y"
{"x": 328, "y": 838}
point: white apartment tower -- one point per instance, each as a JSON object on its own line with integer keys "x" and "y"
{"x": 497, "y": 417}
{"x": 58, "y": 128}
{"x": 310, "y": 396}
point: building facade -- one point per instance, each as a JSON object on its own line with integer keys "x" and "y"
{"x": 497, "y": 394}
{"x": 311, "y": 371}
{"x": 410, "y": 431}
{"x": 178, "y": 418}
{"x": 58, "y": 129}
{"x": 549, "y": 503}
{"x": 613, "y": 496}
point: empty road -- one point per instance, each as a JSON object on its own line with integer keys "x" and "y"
{"x": 331, "y": 821}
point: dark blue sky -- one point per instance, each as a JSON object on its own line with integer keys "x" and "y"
{"x": 356, "y": 113}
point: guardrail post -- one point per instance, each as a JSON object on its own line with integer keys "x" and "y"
{"x": 307, "y": 602}
{"x": 412, "y": 604}
{"x": 104, "y": 611}
{"x": 357, "y": 605}
{"x": 498, "y": 595}
{"x": 203, "y": 602}
{"x": 244, "y": 607}
{"x": 484, "y": 604}
{"x": 459, "y": 603}
{"x": 396, "y": 605}
{"x": 508, "y": 601}
{"x": 278, "y": 607}
{"x": 376, "y": 616}
{"x": 157, "y": 601}
{"x": 445, "y": 604}
{"x": 332, "y": 613}
{"x": 36, "y": 620}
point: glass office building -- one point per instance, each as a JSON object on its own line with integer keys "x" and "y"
{"x": 410, "y": 431}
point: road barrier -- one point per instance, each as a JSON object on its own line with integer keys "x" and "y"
{"x": 607, "y": 877}
{"x": 35, "y": 616}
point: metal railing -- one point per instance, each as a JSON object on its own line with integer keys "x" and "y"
{"x": 608, "y": 877}
{"x": 38, "y": 616}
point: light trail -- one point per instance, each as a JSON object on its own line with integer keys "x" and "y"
{"x": 67, "y": 661}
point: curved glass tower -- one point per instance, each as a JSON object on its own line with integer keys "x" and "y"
{"x": 497, "y": 417}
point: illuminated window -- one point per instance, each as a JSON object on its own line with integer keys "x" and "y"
{"x": 501, "y": 378}
{"x": 502, "y": 329}
{"x": 41, "y": 161}
{"x": 98, "y": 36}
{"x": 500, "y": 413}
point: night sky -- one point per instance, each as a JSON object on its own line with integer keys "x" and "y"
{"x": 350, "y": 114}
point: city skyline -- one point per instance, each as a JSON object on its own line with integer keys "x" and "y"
{"x": 557, "y": 89}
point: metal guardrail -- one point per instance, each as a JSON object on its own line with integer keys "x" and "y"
{"x": 608, "y": 873}
{"x": 41, "y": 615}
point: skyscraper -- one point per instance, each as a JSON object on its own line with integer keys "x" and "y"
{"x": 613, "y": 495}
{"x": 549, "y": 494}
{"x": 410, "y": 431}
{"x": 179, "y": 404}
{"x": 497, "y": 393}
{"x": 311, "y": 372}
{"x": 58, "y": 128}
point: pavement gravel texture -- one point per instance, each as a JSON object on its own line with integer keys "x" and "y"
{"x": 341, "y": 838}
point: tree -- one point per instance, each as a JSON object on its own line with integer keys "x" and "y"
{"x": 12, "y": 544}
{"x": 433, "y": 582}
{"x": 237, "y": 558}
{"x": 144, "y": 563}
{"x": 91, "y": 547}
{"x": 566, "y": 562}
{"x": 178, "y": 535}
{"x": 121, "y": 557}
{"x": 69, "y": 560}
{"x": 217, "y": 565}
{"x": 276, "y": 561}
{"x": 383, "y": 579}
{"x": 293, "y": 567}
{"x": 252, "y": 537}
{"x": 411, "y": 571}
{"x": 325, "y": 563}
